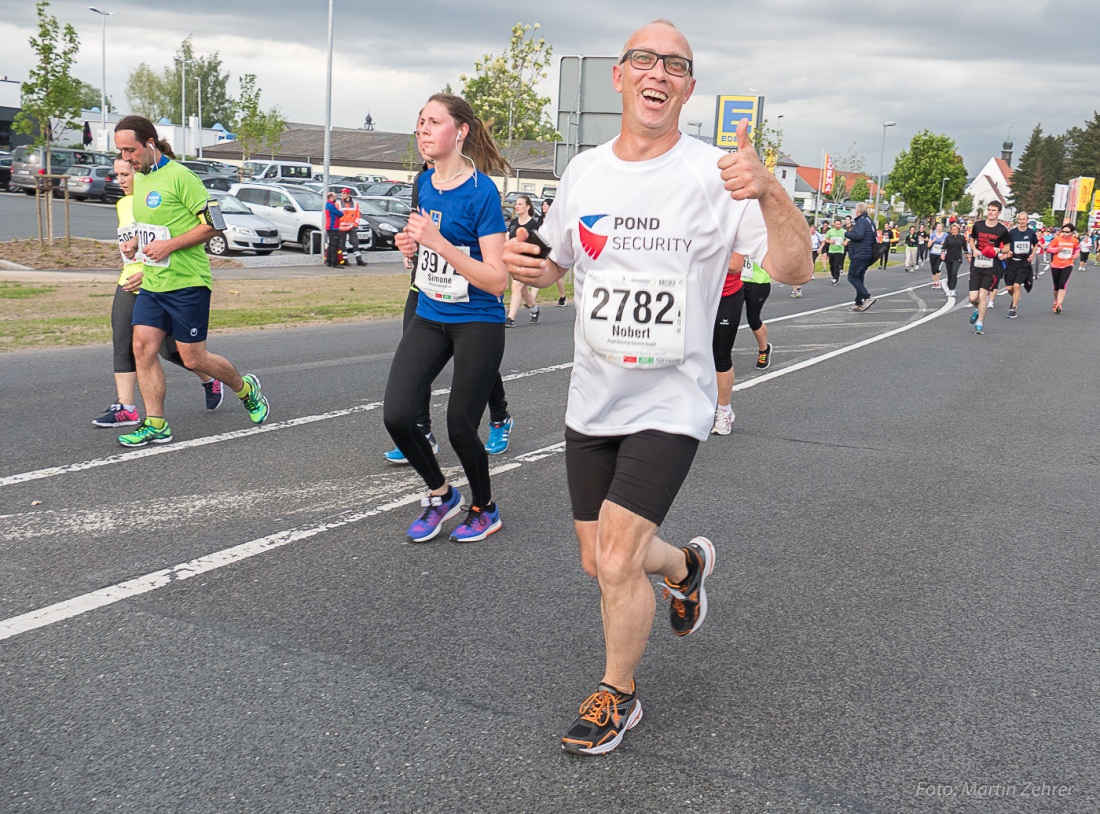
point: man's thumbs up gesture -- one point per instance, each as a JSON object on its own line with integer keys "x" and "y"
{"x": 744, "y": 176}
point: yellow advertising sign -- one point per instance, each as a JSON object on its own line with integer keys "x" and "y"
{"x": 1084, "y": 193}
{"x": 1096, "y": 200}
{"x": 731, "y": 110}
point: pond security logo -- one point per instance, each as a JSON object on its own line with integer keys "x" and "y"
{"x": 592, "y": 242}
{"x": 628, "y": 234}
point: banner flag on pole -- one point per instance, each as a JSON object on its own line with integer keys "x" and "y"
{"x": 829, "y": 172}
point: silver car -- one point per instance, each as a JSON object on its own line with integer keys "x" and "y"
{"x": 244, "y": 232}
{"x": 86, "y": 181}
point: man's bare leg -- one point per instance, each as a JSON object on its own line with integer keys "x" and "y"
{"x": 621, "y": 550}
{"x": 199, "y": 359}
{"x": 150, "y": 374}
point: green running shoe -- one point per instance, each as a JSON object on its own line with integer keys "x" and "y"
{"x": 146, "y": 433}
{"x": 255, "y": 402}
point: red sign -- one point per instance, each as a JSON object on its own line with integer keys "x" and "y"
{"x": 828, "y": 187}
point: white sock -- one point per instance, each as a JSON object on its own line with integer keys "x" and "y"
{"x": 726, "y": 408}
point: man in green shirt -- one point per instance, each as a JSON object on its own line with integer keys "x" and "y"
{"x": 835, "y": 238}
{"x": 173, "y": 219}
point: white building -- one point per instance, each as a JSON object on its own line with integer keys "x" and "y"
{"x": 994, "y": 183}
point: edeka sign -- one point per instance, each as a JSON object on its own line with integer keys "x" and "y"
{"x": 730, "y": 111}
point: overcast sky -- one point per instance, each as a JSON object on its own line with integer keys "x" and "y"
{"x": 835, "y": 71}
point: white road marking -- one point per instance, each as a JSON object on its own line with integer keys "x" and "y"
{"x": 805, "y": 363}
{"x": 79, "y": 605}
{"x": 179, "y": 446}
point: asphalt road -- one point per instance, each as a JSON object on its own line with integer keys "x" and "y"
{"x": 904, "y": 616}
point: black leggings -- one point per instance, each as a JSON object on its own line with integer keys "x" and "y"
{"x": 335, "y": 245}
{"x": 725, "y": 329}
{"x": 122, "y": 331}
{"x": 937, "y": 260}
{"x": 498, "y": 402}
{"x": 425, "y": 349}
{"x": 836, "y": 264}
{"x": 952, "y": 273}
{"x": 1060, "y": 277}
{"x": 756, "y": 294}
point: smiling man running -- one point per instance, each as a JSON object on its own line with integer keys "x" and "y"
{"x": 647, "y": 222}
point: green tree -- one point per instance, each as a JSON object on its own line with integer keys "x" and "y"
{"x": 768, "y": 142}
{"x": 257, "y": 130}
{"x": 919, "y": 172}
{"x": 860, "y": 190}
{"x": 89, "y": 95}
{"x": 1031, "y": 187}
{"x": 965, "y": 204}
{"x": 156, "y": 95}
{"x": 1042, "y": 165}
{"x": 845, "y": 169}
{"x": 850, "y": 162}
{"x": 502, "y": 90}
{"x": 1084, "y": 160}
{"x": 50, "y": 98}
{"x": 411, "y": 159}
{"x": 840, "y": 189}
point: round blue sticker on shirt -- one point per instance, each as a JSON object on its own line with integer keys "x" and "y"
{"x": 152, "y": 200}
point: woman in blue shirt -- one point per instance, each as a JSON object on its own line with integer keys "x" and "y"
{"x": 457, "y": 238}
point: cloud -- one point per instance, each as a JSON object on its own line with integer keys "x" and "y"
{"x": 835, "y": 71}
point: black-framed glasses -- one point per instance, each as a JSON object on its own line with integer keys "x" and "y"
{"x": 646, "y": 60}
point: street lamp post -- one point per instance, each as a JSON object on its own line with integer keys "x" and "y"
{"x": 103, "y": 86}
{"x": 198, "y": 141}
{"x": 183, "y": 104}
{"x": 881, "y": 169}
{"x": 943, "y": 183}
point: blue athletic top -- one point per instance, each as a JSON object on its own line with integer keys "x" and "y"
{"x": 463, "y": 215}
{"x": 332, "y": 216}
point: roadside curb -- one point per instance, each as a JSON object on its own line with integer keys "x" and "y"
{"x": 7, "y": 264}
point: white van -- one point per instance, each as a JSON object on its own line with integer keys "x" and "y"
{"x": 277, "y": 172}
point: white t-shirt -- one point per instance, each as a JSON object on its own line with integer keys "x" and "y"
{"x": 652, "y": 235}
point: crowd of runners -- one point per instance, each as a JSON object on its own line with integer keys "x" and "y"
{"x": 997, "y": 252}
{"x": 652, "y": 371}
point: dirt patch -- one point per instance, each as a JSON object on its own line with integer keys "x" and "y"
{"x": 79, "y": 253}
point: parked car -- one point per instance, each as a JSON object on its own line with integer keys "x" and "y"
{"x": 356, "y": 188}
{"x": 221, "y": 183}
{"x": 84, "y": 182}
{"x": 5, "y": 171}
{"x": 371, "y": 179}
{"x": 297, "y": 212}
{"x": 112, "y": 189}
{"x": 277, "y": 172}
{"x": 390, "y": 188}
{"x": 205, "y": 166}
{"x": 383, "y": 224}
{"x": 392, "y": 205}
{"x": 29, "y": 162}
{"x": 243, "y": 231}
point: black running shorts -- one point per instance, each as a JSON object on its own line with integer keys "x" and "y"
{"x": 982, "y": 279}
{"x": 641, "y": 472}
{"x": 1017, "y": 271}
